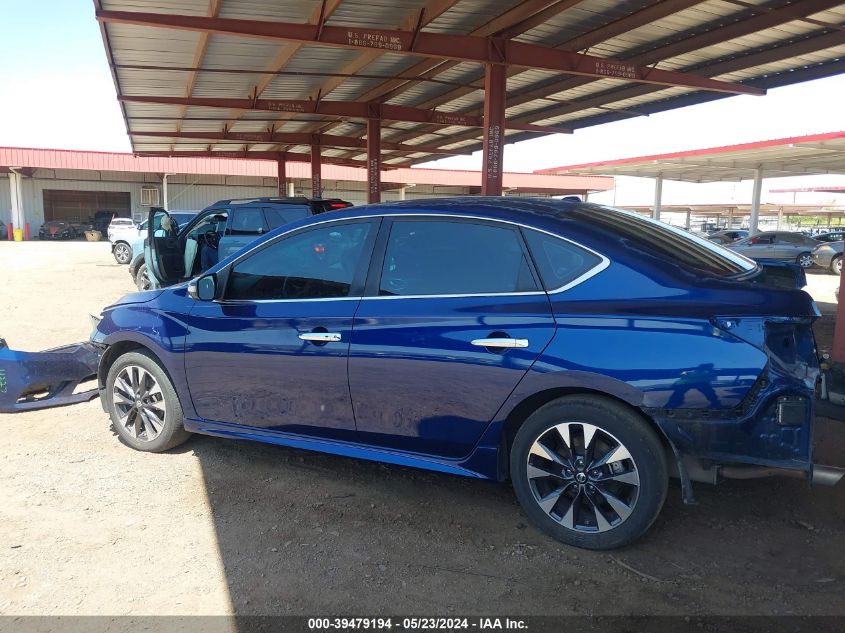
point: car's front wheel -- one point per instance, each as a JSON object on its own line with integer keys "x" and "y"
{"x": 122, "y": 253}
{"x": 143, "y": 405}
{"x": 805, "y": 260}
{"x": 142, "y": 279}
{"x": 836, "y": 265}
{"x": 589, "y": 472}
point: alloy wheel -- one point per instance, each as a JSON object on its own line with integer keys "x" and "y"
{"x": 139, "y": 403}
{"x": 122, "y": 253}
{"x": 837, "y": 265}
{"x": 805, "y": 260}
{"x": 143, "y": 279}
{"x": 583, "y": 477}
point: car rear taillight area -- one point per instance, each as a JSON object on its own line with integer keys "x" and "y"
{"x": 787, "y": 341}
{"x": 775, "y": 419}
{"x": 322, "y": 206}
{"x": 792, "y": 343}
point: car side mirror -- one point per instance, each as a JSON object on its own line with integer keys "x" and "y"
{"x": 203, "y": 289}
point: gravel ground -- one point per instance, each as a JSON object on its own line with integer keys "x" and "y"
{"x": 88, "y": 526}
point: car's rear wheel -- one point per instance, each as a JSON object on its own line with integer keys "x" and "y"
{"x": 143, "y": 405}
{"x": 122, "y": 253}
{"x": 805, "y": 260}
{"x": 589, "y": 472}
{"x": 836, "y": 265}
{"x": 142, "y": 279}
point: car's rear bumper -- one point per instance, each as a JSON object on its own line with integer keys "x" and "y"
{"x": 39, "y": 380}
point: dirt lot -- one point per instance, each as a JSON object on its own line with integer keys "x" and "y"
{"x": 88, "y": 526}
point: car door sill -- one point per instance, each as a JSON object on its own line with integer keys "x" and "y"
{"x": 334, "y": 447}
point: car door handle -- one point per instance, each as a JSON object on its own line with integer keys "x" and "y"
{"x": 501, "y": 342}
{"x": 321, "y": 337}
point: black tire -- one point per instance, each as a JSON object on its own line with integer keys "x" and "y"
{"x": 805, "y": 260}
{"x": 142, "y": 281}
{"x": 614, "y": 422}
{"x": 836, "y": 265}
{"x": 171, "y": 432}
{"x": 122, "y": 253}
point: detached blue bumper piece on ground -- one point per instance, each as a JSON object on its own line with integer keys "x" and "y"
{"x": 583, "y": 352}
{"x": 39, "y": 380}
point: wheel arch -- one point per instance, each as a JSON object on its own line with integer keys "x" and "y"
{"x": 118, "y": 349}
{"x": 528, "y": 405}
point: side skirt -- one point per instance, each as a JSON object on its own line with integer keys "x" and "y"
{"x": 333, "y": 447}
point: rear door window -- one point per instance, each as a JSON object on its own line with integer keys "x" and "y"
{"x": 434, "y": 257}
{"x": 246, "y": 221}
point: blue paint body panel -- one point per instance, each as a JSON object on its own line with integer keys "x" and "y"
{"x": 704, "y": 357}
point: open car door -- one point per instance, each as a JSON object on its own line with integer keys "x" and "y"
{"x": 163, "y": 251}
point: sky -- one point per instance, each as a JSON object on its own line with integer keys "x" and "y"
{"x": 57, "y": 92}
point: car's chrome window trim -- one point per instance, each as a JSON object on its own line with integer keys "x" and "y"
{"x": 603, "y": 264}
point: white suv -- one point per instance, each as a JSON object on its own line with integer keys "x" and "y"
{"x": 123, "y": 232}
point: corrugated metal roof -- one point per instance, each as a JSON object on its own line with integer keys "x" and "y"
{"x": 762, "y": 43}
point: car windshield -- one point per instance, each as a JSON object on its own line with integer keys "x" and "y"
{"x": 688, "y": 249}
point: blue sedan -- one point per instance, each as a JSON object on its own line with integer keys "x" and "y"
{"x": 582, "y": 352}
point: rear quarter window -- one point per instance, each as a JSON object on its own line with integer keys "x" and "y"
{"x": 279, "y": 216}
{"x": 559, "y": 261}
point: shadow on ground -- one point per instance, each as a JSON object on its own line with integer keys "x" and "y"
{"x": 306, "y": 533}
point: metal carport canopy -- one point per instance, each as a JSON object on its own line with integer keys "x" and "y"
{"x": 795, "y": 156}
{"x": 308, "y": 79}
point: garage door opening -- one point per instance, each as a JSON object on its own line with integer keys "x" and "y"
{"x": 79, "y": 207}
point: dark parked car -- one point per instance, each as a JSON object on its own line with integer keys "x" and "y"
{"x": 56, "y": 230}
{"x": 829, "y": 255}
{"x": 832, "y": 236}
{"x": 101, "y": 222}
{"x": 580, "y": 351}
{"x": 216, "y": 232}
{"x": 4, "y": 232}
{"x": 778, "y": 245}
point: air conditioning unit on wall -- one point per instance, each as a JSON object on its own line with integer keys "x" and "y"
{"x": 150, "y": 197}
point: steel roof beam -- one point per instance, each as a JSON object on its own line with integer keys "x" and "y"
{"x": 682, "y": 46}
{"x": 508, "y": 20}
{"x": 297, "y": 138}
{"x": 438, "y": 45}
{"x": 647, "y": 15}
{"x": 784, "y": 78}
{"x": 340, "y": 109}
{"x": 295, "y": 157}
{"x": 212, "y": 11}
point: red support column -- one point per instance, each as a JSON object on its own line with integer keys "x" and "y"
{"x": 316, "y": 171}
{"x": 281, "y": 174}
{"x": 494, "y": 129}
{"x": 373, "y": 160}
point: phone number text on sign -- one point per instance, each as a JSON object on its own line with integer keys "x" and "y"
{"x": 374, "y": 40}
{"x": 616, "y": 69}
